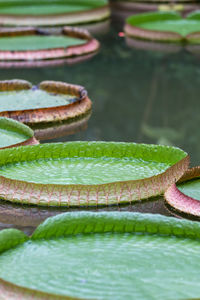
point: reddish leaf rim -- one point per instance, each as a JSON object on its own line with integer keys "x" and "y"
{"x": 30, "y": 141}
{"x": 91, "y": 45}
{"x": 162, "y": 36}
{"x": 77, "y": 195}
{"x": 92, "y": 15}
{"x": 10, "y": 291}
{"x": 181, "y": 204}
{"x": 51, "y": 114}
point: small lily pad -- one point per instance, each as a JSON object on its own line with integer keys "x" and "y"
{"x": 50, "y": 101}
{"x": 52, "y": 13}
{"x": 165, "y": 27}
{"x": 184, "y": 198}
{"x": 13, "y": 133}
{"x": 89, "y": 173}
{"x": 138, "y": 256}
{"x": 36, "y": 44}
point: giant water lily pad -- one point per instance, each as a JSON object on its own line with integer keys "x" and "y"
{"x": 13, "y": 133}
{"x": 122, "y": 9}
{"x": 102, "y": 256}
{"x": 50, "y": 101}
{"x": 34, "y": 44}
{"x": 88, "y": 173}
{"x": 184, "y": 198}
{"x": 52, "y": 13}
{"x": 165, "y": 27}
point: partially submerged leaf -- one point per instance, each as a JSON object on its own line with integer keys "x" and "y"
{"x": 89, "y": 173}
{"x": 13, "y": 133}
{"x": 105, "y": 256}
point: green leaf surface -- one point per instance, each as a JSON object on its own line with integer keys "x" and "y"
{"x": 191, "y": 188}
{"x": 172, "y": 22}
{"x": 37, "y": 42}
{"x": 31, "y": 99}
{"x": 43, "y": 7}
{"x": 10, "y": 238}
{"x": 108, "y": 256}
{"x": 13, "y": 132}
{"x": 87, "y": 163}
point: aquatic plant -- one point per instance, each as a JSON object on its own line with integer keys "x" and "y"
{"x": 52, "y": 13}
{"x": 129, "y": 256}
{"x": 165, "y": 27}
{"x": 13, "y": 133}
{"x": 88, "y": 173}
{"x": 122, "y": 9}
{"x": 25, "y": 44}
{"x": 184, "y": 198}
{"x": 50, "y": 101}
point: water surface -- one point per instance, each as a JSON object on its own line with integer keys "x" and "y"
{"x": 138, "y": 96}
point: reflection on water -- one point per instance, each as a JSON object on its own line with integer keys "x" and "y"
{"x": 60, "y": 129}
{"x": 138, "y": 96}
{"x": 26, "y": 217}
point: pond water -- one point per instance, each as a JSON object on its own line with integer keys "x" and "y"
{"x": 138, "y": 96}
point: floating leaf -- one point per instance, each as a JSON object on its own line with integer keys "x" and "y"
{"x": 184, "y": 198}
{"x": 103, "y": 256}
{"x": 165, "y": 27}
{"x": 51, "y": 101}
{"x": 13, "y": 133}
{"x": 36, "y": 44}
{"x": 52, "y": 13}
{"x": 88, "y": 173}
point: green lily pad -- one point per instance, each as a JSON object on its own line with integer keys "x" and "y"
{"x": 103, "y": 256}
{"x": 89, "y": 173}
{"x": 46, "y": 7}
{"x": 31, "y": 44}
{"x": 31, "y": 99}
{"x": 191, "y": 188}
{"x": 165, "y": 26}
{"x": 37, "y": 42}
{"x": 184, "y": 198}
{"x": 13, "y": 133}
{"x": 50, "y": 101}
{"x": 53, "y": 12}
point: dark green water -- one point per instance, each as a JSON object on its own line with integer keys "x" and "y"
{"x": 138, "y": 95}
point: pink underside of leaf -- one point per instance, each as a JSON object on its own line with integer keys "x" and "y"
{"x": 181, "y": 202}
